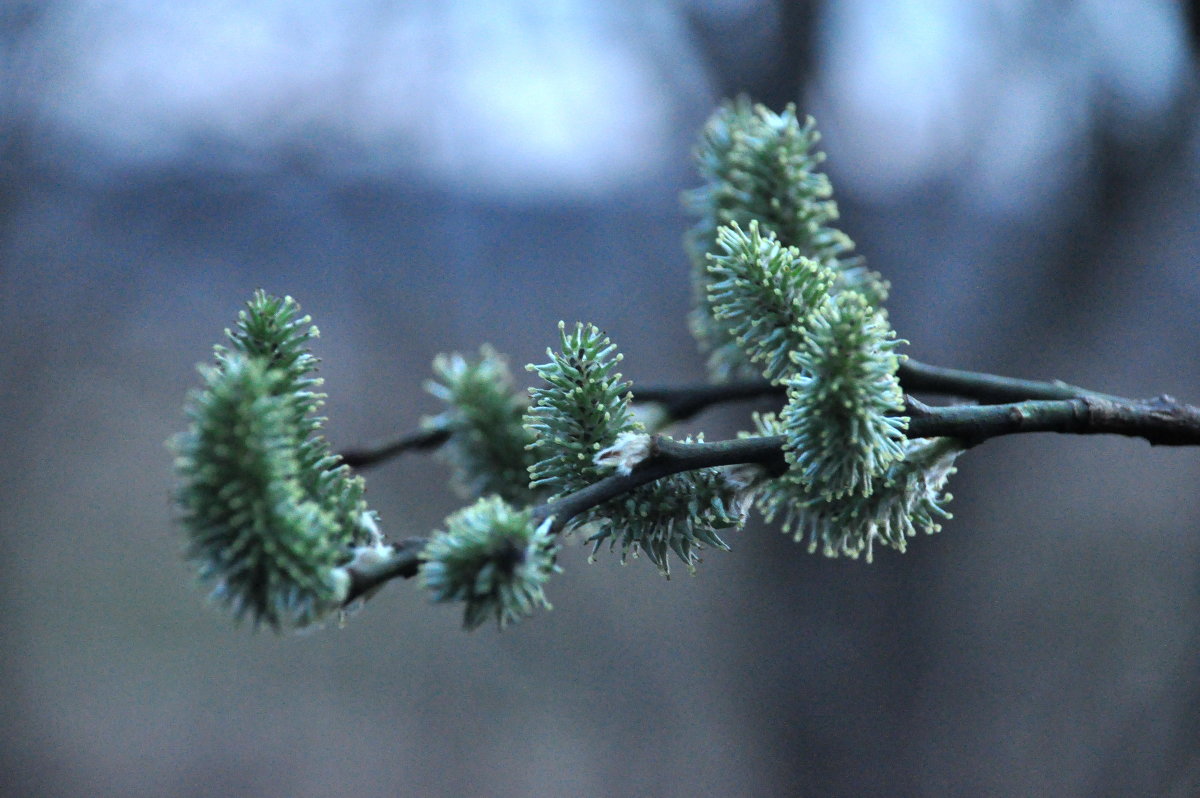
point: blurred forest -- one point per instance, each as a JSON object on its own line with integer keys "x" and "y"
{"x": 426, "y": 177}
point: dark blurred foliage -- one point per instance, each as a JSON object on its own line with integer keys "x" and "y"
{"x": 426, "y": 177}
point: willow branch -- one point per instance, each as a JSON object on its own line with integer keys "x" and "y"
{"x": 684, "y": 402}
{"x": 411, "y": 442}
{"x": 918, "y": 377}
{"x": 1162, "y": 421}
{"x": 404, "y": 562}
{"x": 666, "y": 457}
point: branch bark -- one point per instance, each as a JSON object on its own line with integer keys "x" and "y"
{"x": 1162, "y": 421}
{"x": 684, "y": 402}
{"x": 413, "y": 441}
{"x": 918, "y": 377}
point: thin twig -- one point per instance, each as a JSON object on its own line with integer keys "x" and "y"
{"x": 684, "y": 402}
{"x": 1161, "y": 421}
{"x": 413, "y": 441}
{"x": 918, "y": 377}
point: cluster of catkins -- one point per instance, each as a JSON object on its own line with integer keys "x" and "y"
{"x": 276, "y": 523}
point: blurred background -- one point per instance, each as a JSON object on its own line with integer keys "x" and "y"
{"x": 428, "y": 176}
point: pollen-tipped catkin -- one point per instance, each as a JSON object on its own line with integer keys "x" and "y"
{"x": 766, "y": 295}
{"x": 842, "y": 420}
{"x": 909, "y": 499}
{"x": 582, "y": 411}
{"x": 270, "y": 513}
{"x": 760, "y": 166}
{"x": 267, "y": 550}
{"x": 493, "y": 558}
{"x": 488, "y": 448}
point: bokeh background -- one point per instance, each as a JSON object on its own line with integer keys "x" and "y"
{"x": 427, "y": 176}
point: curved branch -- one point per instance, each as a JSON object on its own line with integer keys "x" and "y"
{"x": 683, "y": 402}
{"x": 413, "y": 441}
{"x": 1162, "y": 421}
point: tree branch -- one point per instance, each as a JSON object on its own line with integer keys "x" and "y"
{"x": 413, "y": 441}
{"x": 684, "y": 402}
{"x": 403, "y": 563}
{"x": 918, "y": 377}
{"x": 1162, "y": 421}
{"x": 666, "y": 457}
{"x": 915, "y": 377}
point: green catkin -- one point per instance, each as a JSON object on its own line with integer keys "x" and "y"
{"x": 766, "y": 295}
{"x": 581, "y": 411}
{"x": 842, "y": 419}
{"x": 270, "y": 513}
{"x": 488, "y": 448}
{"x": 492, "y": 558}
{"x": 760, "y": 166}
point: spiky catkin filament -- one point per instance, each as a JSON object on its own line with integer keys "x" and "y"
{"x": 761, "y": 166}
{"x": 910, "y": 499}
{"x": 271, "y": 514}
{"x": 275, "y": 332}
{"x": 766, "y": 295}
{"x": 268, "y": 550}
{"x": 494, "y": 559}
{"x": 681, "y": 513}
{"x": 861, "y": 280}
{"x": 842, "y": 420}
{"x": 581, "y": 410}
{"x": 488, "y": 448}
